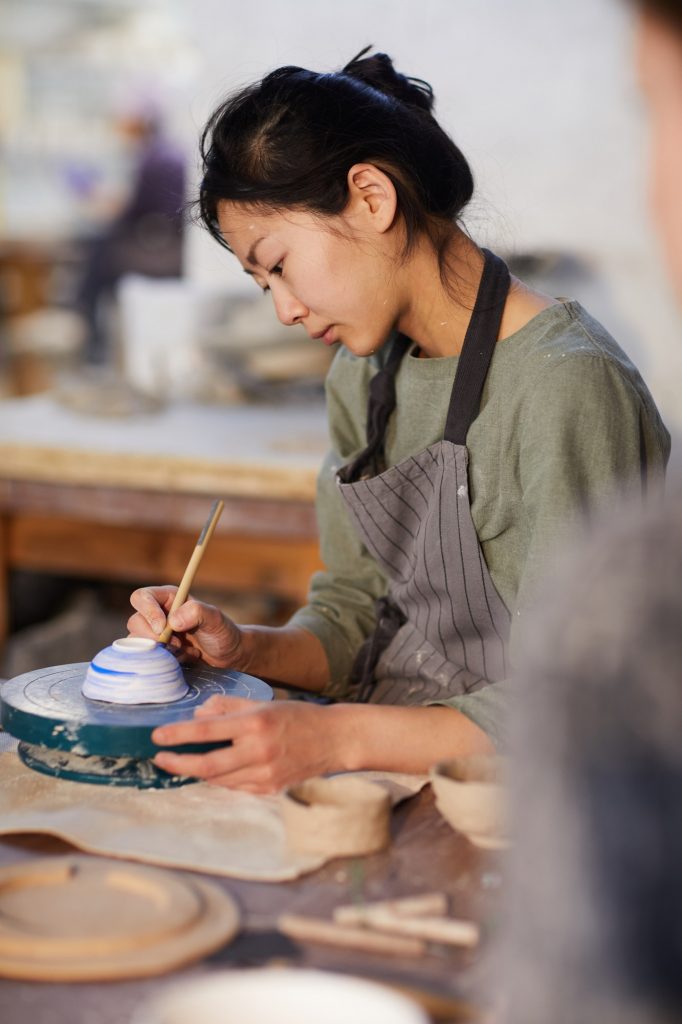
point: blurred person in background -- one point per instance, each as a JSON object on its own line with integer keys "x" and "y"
{"x": 146, "y": 235}
{"x": 594, "y": 934}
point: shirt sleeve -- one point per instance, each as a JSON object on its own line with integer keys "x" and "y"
{"x": 488, "y": 708}
{"x": 589, "y": 441}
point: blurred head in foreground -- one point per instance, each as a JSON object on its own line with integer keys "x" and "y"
{"x": 659, "y": 39}
{"x": 594, "y": 933}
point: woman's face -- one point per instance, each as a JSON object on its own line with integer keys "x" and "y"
{"x": 660, "y": 66}
{"x": 332, "y": 275}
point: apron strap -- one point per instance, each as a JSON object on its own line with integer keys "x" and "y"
{"x": 478, "y": 348}
{"x": 370, "y": 461}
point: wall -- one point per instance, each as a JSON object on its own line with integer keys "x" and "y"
{"x": 542, "y": 98}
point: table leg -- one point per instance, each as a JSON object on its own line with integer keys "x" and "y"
{"x": 4, "y": 582}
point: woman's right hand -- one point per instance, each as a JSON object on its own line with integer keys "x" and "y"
{"x": 200, "y": 631}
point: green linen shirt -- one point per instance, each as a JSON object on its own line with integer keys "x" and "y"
{"x": 566, "y": 425}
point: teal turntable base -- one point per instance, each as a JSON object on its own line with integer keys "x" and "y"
{"x": 70, "y": 736}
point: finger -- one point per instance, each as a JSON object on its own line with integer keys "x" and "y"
{"x": 150, "y": 597}
{"x": 203, "y": 730}
{"x": 229, "y": 767}
{"x": 192, "y": 615}
{"x": 138, "y": 625}
{"x": 152, "y": 603}
{"x": 220, "y": 704}
{"x": 202, "y": 766}
{"x": 211, "y": 729}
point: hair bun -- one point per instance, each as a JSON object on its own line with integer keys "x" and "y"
{"x": 378, "y": 72}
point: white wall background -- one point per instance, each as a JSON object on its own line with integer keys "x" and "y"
{"x": 542, "y": 98}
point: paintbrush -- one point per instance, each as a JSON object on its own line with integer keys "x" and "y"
{"x": 193, "y": 565}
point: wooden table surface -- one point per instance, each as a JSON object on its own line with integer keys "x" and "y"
{"x": 124, "y": 499}
{"x": 425, "y": 855}
{"x": 249, "y": 451}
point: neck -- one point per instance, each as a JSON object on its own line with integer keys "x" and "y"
{"x": 431, "y": 316}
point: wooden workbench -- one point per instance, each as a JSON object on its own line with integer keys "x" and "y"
{"x": 124, "y": 499}
{"x": 425, "y": 855}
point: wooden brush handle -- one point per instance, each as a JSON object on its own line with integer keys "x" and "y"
{"x": 193, "y": 565}
{"x": 315, "y": 929}
{"x": 431, "y": 904}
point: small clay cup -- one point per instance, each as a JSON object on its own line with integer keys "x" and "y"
{"x": 340, "y": 816}
{"x": 471, "y": 796}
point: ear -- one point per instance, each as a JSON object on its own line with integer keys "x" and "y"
{"x": 372, "y": 198}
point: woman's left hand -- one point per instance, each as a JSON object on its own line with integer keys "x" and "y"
{"x": 273, "y": 744}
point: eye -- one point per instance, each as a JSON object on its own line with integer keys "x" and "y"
{"x": 277, "y": 270}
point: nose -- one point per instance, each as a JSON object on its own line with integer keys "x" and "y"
{"x": 288, "y": 308}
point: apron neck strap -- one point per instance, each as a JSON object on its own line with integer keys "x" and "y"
{"x": 381, "y": 405}
{"x": 478, "y": 348}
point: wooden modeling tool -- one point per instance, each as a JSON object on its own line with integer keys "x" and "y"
{"x": 431, "y": 903}
{"x": 401, "y": 927}
{"x": 317, "y": 929}
{"x": 193, "y": 565}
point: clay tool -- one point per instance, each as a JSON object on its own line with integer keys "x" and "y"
{"x": 421, "y": 917}
{"x": 193, "y": 565}
{"x": 444, "y": 930}
{"x": 425, "y": 904}
{"x": 315, "y": 929}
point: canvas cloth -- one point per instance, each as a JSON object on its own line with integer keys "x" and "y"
{"x": 198, "y": 827}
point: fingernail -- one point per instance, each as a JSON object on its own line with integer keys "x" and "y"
{"x": 159, "y": 736}
{"x": 157, "y": 625}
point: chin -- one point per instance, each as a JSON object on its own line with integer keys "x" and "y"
{"x": 365, "y": 347}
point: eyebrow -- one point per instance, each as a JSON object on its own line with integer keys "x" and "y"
{"x": 251, "y": 254}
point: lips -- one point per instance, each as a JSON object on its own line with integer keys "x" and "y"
{"x": 328, "y": 335}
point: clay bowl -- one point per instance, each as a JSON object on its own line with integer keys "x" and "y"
{"x": 471, "y": 796}
{"x": 135, "y": 670}
{"x": 341, "y": 816}
{"x": 280, "y": 995}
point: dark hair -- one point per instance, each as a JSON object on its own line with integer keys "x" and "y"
{"x": 669, "y": 10}
{"x": 290, "y": 140}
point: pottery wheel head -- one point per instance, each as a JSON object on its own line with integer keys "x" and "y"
{"x": 47, "y": 708}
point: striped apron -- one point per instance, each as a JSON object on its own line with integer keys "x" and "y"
{"x": 442, "y": 629}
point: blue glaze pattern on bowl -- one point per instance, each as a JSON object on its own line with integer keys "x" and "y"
{"x": 134, "y": 670}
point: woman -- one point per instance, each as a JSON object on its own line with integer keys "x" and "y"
{"x": 473, "y": 421}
